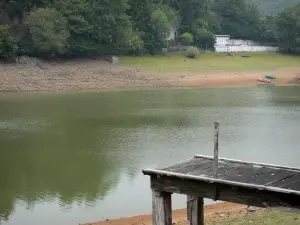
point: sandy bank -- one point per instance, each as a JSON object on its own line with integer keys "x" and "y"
{"x": 94, "y": 75}
{"x": 213, "y": 213}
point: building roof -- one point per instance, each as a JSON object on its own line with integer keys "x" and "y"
{"x": 222, "y": 35}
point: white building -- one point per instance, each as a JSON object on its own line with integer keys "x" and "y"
{"x": 222, "y": 40}
{"x": 225, "y": 44}
{"x": 172, "y": 34}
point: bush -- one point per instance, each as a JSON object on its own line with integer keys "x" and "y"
{"x": 8, "y": 46}
{"x": 204, "y": 39}
{"x": 187, "y": 38}
{"x": 49, "y": 31}
{"x": 192, "y": 52}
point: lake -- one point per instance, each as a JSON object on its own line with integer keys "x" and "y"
{"x": 69, "y": 158}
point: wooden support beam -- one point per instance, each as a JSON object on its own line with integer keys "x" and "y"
{"x": 219, "y": 182}
{"x": 228, "y": 193}
{"x": 161, "y": 208}
{"x": 195, "y": 210}
{"x": 188, "y": 212}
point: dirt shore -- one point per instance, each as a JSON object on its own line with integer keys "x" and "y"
{"x": 213, "y": 213}
{"x": 85, "y": 75}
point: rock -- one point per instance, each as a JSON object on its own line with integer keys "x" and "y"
{"x": 31, "y": 61}
{"x": 113, "y": 59}
{"x": 24, "y": 60}
{"x": 253, "y": 209}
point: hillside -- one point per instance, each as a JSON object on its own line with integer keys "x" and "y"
{"x": 273, "y": 6}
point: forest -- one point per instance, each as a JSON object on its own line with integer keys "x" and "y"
{"x": 80, "y": 28}
{"x": 274, "y": 6}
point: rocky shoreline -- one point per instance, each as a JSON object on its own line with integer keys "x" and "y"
{"x": 98, "y": 74}
{"x": 75, "y": 75}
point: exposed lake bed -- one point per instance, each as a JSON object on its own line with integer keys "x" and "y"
{"x": 209, "y": 70}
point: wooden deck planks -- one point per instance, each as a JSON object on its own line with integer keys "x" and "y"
{"x": 293, "y": 186}
{"x": 260, "y": 176}
{"x": 292, "y": 182}
{"x": 240, "y": 172}
{"x": 188, "y": 166}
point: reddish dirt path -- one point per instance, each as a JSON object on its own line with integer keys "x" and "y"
{"x": 213, "y": 213}
{"x": 284, "y": 77}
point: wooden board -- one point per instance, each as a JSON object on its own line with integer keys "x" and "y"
{"x": 227, "y": 192}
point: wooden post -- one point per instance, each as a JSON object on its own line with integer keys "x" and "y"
{"x": 216, "y": 150}
{"x": 161, "y": 208}
{"x": 195, "y": 210}
{"x": 216, "y": 158}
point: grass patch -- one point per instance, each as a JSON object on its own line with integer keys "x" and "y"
{"x": 265, "y": 218}
{"x": 258, "y": 218}
{"x": 178, "y": 63}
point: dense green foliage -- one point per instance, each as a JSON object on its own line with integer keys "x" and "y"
{"x": 98, "y": 27}
{"x": 274, "y": 6}
{"x": 49, "y": 31}
{"x": 8, "y": 46}
{"x": 238, "y": 18}
{"x": 203, "y": 35}
{"x": 287, "y": 28}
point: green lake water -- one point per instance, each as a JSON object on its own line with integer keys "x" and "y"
{"x": 70, "y": 158}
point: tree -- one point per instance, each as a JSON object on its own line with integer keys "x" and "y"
{"x": 161, "y": 24}
{"x": 8, "y": 46}
{"x": 288, "y": 28}
{"x": 153, "y": 21}
{"x": 190, "y": 11}
{"x": 163, "y": 20}
{"x": 111, "y": 24}
{"x": 140, "y": 12}
{"x": 49, "y": 31}
{"x": 271, "y": 6}
{"x": 203, "y": 36}
{"x": 238, "y": 18}
{"x": 17, "y": 8}
{"x": 76, "y": 13}
{"x": 99, "y": 27}
{"x": 268, "y": 30}
{"x": 132, "y": 42}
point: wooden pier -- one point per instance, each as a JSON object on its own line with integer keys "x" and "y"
{"x": 254, "y": 184}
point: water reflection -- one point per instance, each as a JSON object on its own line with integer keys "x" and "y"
{"x": 78, "y": 149}
{"x": 46, "y": 166}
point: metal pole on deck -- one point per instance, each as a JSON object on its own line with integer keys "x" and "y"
{"x": 216, "y": 158}
{"x": 216, "y": 150}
